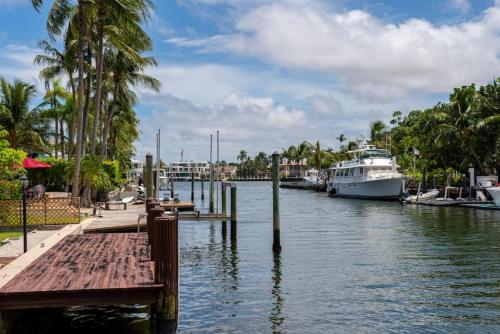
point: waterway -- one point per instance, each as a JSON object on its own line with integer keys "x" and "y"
{"x": 347, "y": 265}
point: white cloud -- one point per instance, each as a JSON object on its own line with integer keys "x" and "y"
{"x": 16, "y": 61}
{"x": 462, "y": 5}
{"x": 376, "y": 59}
{"x": 251, "y": 123}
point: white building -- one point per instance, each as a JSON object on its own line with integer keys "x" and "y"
{"x": 136, "y": 170}
{"x": 181, "y": 170}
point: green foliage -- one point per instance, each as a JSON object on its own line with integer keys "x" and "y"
{"x": 461, "y": 132}
{"x": 11, "y": 161}
{"x": 55, "y": 178}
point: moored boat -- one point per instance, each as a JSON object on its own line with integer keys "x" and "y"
{"x": 310, "y": 180}
{"x": 495, "y": 194}
{"x": 372, "y": 174}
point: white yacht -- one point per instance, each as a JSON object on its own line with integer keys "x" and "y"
{"x": 372, "y": 173}
{"x": 310, "y": 180}
{"x": 495, "y": 194}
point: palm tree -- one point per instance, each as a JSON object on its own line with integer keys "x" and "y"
{"x": 114, "y": 15}
{"x": 242, "y": 156}
{"x": 52, "y": 96}
{"x": 341, "y": 138}
{"x": 23, "y": 124}
{"x": 460, "y": 119}
{"x": 377, "y": 132}
{"x": 59, "y": 13}
{"x": 125, "y": 72}
{"x": 58, "y": 63}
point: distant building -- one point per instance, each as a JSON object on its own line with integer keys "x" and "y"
{"x": 136, "y": 170}
{"x": 293, "y": 169}
{"x": 181, "y": 170}
{"x": 227, "y": 172}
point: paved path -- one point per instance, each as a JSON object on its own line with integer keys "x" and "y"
{"x": 115, "y": 218}
{"x": 14, "y": 247}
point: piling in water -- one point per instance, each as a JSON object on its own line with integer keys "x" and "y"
{"x": 276, "y": 203}
{"x": 166, "y": 260}
{"x": 149, "y": 175}
{"x": 192, "y": 184}
{"x": 211, "y": 190}
{"x": 234, "y": 211}
{"x": 152, "y": 214}
{"x": 223, "y": 198}
{"x": 202, "y": 187}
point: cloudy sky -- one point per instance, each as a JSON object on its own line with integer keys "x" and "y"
{"x": 268, "y": 74}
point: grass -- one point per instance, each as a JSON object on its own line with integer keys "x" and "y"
{"x": 9, "y": 234}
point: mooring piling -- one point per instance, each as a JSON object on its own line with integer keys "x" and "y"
{"x": 211, "y": 208}
{"x": 166, "y": 270}
{"x": 172, "y": 193}
{"x": 149, "y": 176}
{"x": 234, "y": 211}
{"x": 223, "y": 198}
{"x": 153, "y": 213}
{"x": 276, "y": 203}
{"x": 192, "y": 183}
{"x": 202, "y": 187}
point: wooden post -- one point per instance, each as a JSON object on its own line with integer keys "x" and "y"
{"x": 149, "y": 175}
{"x": 154, "y": 212}
{"x": 202, "y": 187}
{"x": 233, "y": 204}
{"x": 234, "y": 212}
{"x": 276, "y": 203}
{"x": 223, "y": 198}
{"x": 172, "y": 193}
{"x": 192, "y": 183}
{"x": 211, "y": 190}
{"x": 166, "y": 255}
{"x": 424, "y": 176}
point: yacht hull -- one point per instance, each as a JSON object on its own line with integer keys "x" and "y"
{"x": 375, "y": 189}
{"x": 495, "y": 193}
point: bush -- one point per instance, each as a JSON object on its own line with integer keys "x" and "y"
{"x": 11, "y": 162}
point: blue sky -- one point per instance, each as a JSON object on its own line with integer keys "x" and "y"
{"x": 268, "y": 74}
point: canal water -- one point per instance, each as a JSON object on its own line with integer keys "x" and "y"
{"x": 346, "y": 266}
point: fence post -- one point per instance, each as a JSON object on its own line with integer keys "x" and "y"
{"x": 149, "y": 175}
{"x": 166, "y": 255}
{"x": 276, "y": 203}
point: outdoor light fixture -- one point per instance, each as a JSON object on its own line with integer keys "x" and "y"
{"x": 24, "y": 184}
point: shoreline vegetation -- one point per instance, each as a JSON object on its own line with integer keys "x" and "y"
{"x": 440, "y": 142}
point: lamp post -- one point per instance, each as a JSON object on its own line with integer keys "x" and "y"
{"x": 24, "y": 185}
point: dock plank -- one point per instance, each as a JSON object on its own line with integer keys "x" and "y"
{"x": 86, "y": 269}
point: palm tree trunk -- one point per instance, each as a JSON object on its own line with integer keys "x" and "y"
{"x": 107, "y": 124}
{"x": 99, "y": 68}
{"x": 87, "y": 103}
{"x": 61, "y": 134}
{"x": 476, "y": 157}
{"x": 81, "y": 44}
{"x": 71, "y": 129}
{"x": 56, "y": 136}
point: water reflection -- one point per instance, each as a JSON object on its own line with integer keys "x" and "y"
{"x": 276, "y": 318}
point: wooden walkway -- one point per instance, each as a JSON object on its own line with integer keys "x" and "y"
{"x": 86, "y": 269}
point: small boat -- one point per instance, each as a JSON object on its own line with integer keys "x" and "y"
{"x": 495, "y": 193}
{"x": 431, "y": 194}
{"x": 371, "y": 174}
{"x": 310, "y": 180}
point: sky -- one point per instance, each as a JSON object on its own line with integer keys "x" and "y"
{"x": 269, "y": 74}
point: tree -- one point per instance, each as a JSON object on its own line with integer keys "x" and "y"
{"x": 54, "y": 97}
{"x": 341, "y": 138}
{"x": 10, "y": 171}
{"x": 377, "y": 132}
{"x": 23, "y": 124}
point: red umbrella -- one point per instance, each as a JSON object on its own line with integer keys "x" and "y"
{"x": 32, "y": 163}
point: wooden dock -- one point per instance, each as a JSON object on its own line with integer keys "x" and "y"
{"x": 94, "y": 269}
{"x": 177, "y": 206}
{"x": 104, "y": 269}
